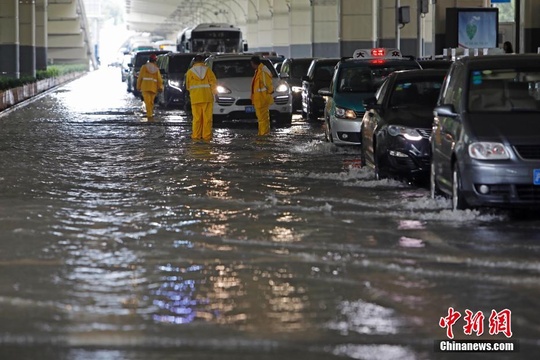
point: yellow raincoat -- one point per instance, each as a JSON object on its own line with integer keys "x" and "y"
{"x": 149, "y": 83}
{"x": 201, "y": 83}
{"x": 262, "y": 89}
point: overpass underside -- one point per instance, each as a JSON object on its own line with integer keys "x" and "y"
{"x": 37, "y": 33}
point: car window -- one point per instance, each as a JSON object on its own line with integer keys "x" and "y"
{"x": 323, "y": 73}
{"x": 422, "y": 93}
{"x": 380, "y": 94}
{"x": 285, "y": 68}
{"x": 503, "y": 90}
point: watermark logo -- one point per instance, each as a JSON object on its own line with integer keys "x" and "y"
{"x": 498, "y": 322}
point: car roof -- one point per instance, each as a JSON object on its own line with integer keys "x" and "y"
{"x": 416, "y": 73}
{"x": 347, "y": 63}
{"x": 501, "y": 61}
{"x": 326, "y": 60}
{"x": 148, "y": 52}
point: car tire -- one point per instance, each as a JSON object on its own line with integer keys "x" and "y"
{"x": 380, "y": 172}
{"x": 458, "y": 200}
{"x": 434, "y": 190}
{"x": 217, "y": 119}
{"x": 284, "y": 120}
{"x": 328, "y": 133}
{"x": 310, "y": 116}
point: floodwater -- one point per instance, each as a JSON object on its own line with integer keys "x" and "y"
{"x": 123, "y": 239}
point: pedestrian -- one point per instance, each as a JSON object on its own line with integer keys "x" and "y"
{"x": 149, "y": 83}
{"x": 201, "y": 83}
{"x": 261, "y": 94}
{"x": 507, "y": 47}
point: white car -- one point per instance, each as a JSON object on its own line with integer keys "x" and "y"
{"x": 234, "y": 74}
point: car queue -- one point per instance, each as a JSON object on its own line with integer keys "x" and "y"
{"x": 409, "y": 119}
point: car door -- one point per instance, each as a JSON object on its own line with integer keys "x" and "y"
{"x": 372, "y": 120}
{"x": 447, "y": 127}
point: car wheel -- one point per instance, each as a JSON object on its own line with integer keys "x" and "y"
{"x": 327, "y": 132}
{"x": 458, "y": 201}
{"x": 380, "y": 170}
{"x": 310, "y": 115}
{"x": 434, "y": 190}
{"x": 284, "y": 119}
{"x": 218, "y": 119}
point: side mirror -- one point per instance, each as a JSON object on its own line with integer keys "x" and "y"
{"x": 325, "y": 92}
{"x": 447, "y": 110}
{"x": 245, "y": 47}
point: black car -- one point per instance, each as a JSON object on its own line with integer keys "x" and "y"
{"x": 486, "y": 133}
{"x": 319, "y": 76}
{"x": 397, "y": 124}
{"x": 173, "y": 68}
{"x": 435, "y": 63}
{"x": 137, "y": 60}
{"x": 292, "y": 70}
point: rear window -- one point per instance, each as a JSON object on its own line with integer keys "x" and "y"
{"x": 179, "y": 64}
{"x": 238, "y": 68}
{"x": 419, "y": 92}
{"x": 504, "y": 90}
{"x": 300, "y": 68}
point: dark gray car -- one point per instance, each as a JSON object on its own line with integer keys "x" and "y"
{"x": 486, "y": 133}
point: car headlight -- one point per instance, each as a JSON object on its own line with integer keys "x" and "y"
{"x": 407, "y": 132}
{"x": 222, "y": 90}
{"x": 174, "y": 83}
{"x": 282, "y": 88}
{"x": 296, "y": 89}
{"x": 345, "y": 113}
{"x": 488, "y": 151}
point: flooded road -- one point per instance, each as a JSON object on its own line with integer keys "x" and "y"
{"x": 123, "y": 239}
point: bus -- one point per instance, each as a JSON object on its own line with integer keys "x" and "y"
{"x": 211, "y": 37}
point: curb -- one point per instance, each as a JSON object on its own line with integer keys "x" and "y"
{"x": 11, "y": 97}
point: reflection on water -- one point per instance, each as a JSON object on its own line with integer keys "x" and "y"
{"x": 128, "y": 235}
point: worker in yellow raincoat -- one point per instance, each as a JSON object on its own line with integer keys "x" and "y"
{"x": 201, "y": 83}
{"x": 149, "y": 83}
{"x": 261, "y": 94}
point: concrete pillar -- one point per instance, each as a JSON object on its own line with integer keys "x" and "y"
{"x": 326, "y": 28}
{"x": 280, "y": 32}
{"x": 27, "y": 36}
{"x": 300, "y": 29}
{"x": 9, "y": 38}
{"x": 531, "y": 26}
{"x": 358, "y": 23}
{"x": 252, "y": 25}
{"x": 265, "y": 25}
{"x": 41, "y": 34}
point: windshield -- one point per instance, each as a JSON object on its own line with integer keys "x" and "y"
{"x": 216, "y": 41}
{"x": 366, "y": 77}
{"x": 238, "y": 68}
{"x": 421, "y": 92}
{"x": 504, "y": 90}
{"x": 179, "y": 64}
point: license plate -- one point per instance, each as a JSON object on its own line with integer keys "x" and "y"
{"x": 250, "y": 109}
{"x": 536, "y": 176}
